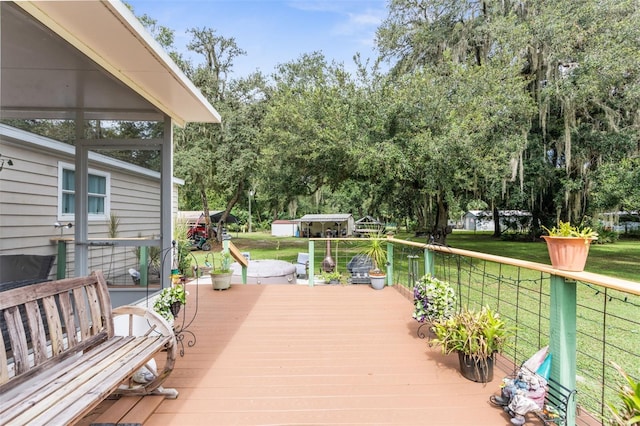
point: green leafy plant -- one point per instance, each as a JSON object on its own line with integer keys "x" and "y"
{"x": 224, "y": 260}
{"x": 169, "y": 300}
{"x": 433, "y": 300}
{"x": 628, "y": 413}
{"x": 565, "y": 229}
{"x": 332, "y": 276}
{"x": 378, "y": 254}
{"x": 478, "y": 334}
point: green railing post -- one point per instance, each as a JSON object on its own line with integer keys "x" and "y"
{"x": 389, "y": 263}
{"x": 144, "y": 266}
{"x": 429, "y": 267}
{"x": 61, "y": 267}
{"x": 312, "y": 265}
{"x": 562, "y": 337}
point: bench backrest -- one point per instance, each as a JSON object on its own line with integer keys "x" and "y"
{"x": 49, "y": 322}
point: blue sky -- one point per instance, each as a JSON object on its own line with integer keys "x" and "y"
{"x": 275, "y": 31}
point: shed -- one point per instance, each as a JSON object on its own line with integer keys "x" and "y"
{"x": 285, "y": 228}
{"x": 321, "y": 225}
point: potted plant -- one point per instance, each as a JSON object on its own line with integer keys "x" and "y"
{"x": 569, "y": 245}
{"x": 378, "y": 255}
{"x": 476, "y": 336}
{"x": 433, "y": 300}
{"x": 221, "y": 277}
{"x": 170, "y": 300}
{"x": 628, "y": 410}
{"x": 334, "y": 277}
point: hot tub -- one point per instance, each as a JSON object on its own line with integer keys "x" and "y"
{"x": 265, "y": 272}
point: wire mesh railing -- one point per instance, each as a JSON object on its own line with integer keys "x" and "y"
{"x": 607, "y": 319}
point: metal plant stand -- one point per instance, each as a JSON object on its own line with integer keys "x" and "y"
{"x": 182, "y": 321}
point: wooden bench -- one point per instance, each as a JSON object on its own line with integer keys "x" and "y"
{"x": 556, "y": 403}
{"x": 67, "y": 358}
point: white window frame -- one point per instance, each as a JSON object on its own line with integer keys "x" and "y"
{"x": 62, "y": 166}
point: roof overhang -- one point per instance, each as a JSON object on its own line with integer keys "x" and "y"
{"x": 61, "y": 57}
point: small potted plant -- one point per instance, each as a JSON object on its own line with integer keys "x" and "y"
{"x": 334, "y": 277}
{"x": 170, "y": 300}
{"x": 433, "y": 300}
{"x": 221, "y": 277}
{"x": 377, "y": 253}
{"x": 568, "y": 245}
{"x": 476, "y": 336}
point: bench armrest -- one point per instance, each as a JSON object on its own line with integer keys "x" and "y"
{"x": 146, "y": 322}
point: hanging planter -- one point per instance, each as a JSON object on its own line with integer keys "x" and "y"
{"x": 569, "y": 246}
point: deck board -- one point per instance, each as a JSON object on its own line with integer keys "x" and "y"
{"x": 324, "y": 355}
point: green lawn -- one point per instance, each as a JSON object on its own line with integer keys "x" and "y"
{"x": 621, "y": 259}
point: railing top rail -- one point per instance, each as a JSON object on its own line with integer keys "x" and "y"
{"x": 122, "y": 242}
{"x": 361, "y": 239}
{"x": 601, "y": 280}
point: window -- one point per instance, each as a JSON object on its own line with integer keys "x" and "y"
{"x": 98, "y": 186}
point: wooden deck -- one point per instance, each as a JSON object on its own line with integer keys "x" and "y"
{"x": 324, "y": 355}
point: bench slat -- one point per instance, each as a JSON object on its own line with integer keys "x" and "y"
{"x": 81, "y": 310}
{"x": 17, "y": 339}
{"x": 4, "y": 366}
{"x": 36, "y": 328}
{"x": 67, "y": 318}
{"x": 30, "y": 387}
{"x": 53, "y": 379}
{"x": 53, "y": 321}
{"x": 60, "y": 400}
{"x": 20, "y": 295}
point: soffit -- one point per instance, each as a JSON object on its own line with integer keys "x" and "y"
{"x": 90, "y": 56}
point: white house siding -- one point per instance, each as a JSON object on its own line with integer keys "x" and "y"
{"x": 29, "y": 201}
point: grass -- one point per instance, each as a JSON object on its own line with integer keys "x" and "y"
{"x": 620, "y": 260}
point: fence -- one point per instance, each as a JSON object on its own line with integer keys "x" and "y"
{"x": 588, "y": 320}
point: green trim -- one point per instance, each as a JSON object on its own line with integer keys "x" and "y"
{"x": 562, "y": 338}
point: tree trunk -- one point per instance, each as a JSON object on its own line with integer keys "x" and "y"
{"x": 205, "y": 210}
{"x": 496, "y": 222}
{"x": 439, "y": 233}
{"x": 230, "y": 204}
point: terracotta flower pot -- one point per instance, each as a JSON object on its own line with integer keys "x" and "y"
{"x": 568, "y": 253}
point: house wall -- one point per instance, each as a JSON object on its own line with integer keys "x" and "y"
{"x": 29, "y": 202}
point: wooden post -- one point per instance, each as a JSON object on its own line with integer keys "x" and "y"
{"x": 312, "y": 265}
{"x": 144, "y": 266}
{"x": 389, "y": 263}
{"x": 429, "y": 267}
{"x": 61, "y": 267}
{"x": 562, "y": 337}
